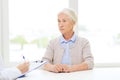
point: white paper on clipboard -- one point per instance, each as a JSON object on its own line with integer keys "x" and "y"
{"x": 35, "y": 65}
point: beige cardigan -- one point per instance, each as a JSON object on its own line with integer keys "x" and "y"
{"x": 79, "y": 51}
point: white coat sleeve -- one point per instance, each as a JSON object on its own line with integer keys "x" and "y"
{"x": 9, "y": 73}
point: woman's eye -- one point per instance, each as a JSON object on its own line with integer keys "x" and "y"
{"x": 58, "y": 20}
{"x": 64, "y": 20}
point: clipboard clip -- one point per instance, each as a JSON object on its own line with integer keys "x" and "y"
{"x": 38, "y": 61}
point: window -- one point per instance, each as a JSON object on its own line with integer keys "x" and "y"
{"x": 99, "y": 21}
{"x": 32, "y": 23}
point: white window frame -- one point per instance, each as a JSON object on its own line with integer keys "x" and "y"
{"x": 4, "y": 30}
{"x": 0, "y": 27}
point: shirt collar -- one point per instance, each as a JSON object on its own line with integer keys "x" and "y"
{"x": 62, "y": 39}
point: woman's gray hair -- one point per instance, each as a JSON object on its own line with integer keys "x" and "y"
{"x": 71, "y": 13}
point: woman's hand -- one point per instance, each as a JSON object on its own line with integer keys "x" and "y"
{"x": 58, "y": 68}
{"x": 65, "y": 68}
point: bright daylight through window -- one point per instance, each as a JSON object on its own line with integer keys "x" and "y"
{"x": 32, "y": 26}
{"x": 99, "y": 21}
{"x": 32, "y": 23}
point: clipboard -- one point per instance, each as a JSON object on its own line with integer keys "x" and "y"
{"x": 33, "y": 66}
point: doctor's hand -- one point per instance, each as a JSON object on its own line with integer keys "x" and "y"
{"x": 24, "y": 67}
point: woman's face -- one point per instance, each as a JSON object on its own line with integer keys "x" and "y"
{"x": 65, "y": 23}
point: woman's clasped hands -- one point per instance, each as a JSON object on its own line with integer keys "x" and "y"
{"x": 61, "y": 68}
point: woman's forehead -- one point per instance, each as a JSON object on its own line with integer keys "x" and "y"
{"x": 63, "y": 15}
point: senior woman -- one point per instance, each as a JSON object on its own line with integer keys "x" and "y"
{"x": 68, "y": 52}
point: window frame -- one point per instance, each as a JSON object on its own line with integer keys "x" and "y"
{"x": 0, "y": 27}
{"x": 4, "y": 31}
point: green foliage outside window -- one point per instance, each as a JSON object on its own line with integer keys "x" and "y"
{"x": 41, "y": 42}
{"x": 19, "y": 40}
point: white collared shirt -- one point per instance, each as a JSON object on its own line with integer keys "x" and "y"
{"x": 66, "y": 59}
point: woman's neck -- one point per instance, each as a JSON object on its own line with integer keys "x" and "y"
{"x": 68, "y": 35}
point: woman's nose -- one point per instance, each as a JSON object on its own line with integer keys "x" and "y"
{"x": 60, "y": 25}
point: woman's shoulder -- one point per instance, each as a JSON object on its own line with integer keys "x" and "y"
{"x": 82, "y": 40}
{"x": 55, "y": 40}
